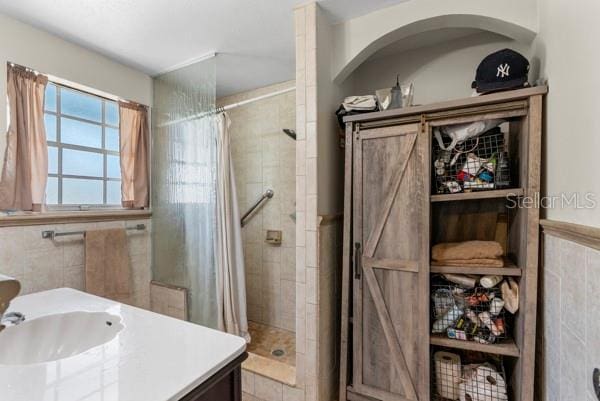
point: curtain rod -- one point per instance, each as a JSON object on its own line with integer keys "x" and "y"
{"x": 93, "y": 92}
{"x": 227, "y": 107}
{"x": 80, "y": 88}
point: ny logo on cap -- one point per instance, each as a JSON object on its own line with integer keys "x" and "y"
{"x": 503, "y": 71}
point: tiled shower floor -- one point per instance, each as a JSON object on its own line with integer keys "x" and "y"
{"x": 266, "y": 339}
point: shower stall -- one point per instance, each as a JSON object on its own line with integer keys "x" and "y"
{"x": 184, "y": 201}
{"x": 264, "y": 158}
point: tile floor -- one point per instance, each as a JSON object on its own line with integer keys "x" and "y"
{"x": 266, "y": 339}
{"x": 276, "y": 370}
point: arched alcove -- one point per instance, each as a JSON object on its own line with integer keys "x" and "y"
{"x": 357, "y": 40}
{"x": 440, "y": 63}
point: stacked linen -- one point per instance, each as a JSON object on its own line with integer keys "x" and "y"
{"x": 360, "y": 103}
{"x": 468, "y": 253}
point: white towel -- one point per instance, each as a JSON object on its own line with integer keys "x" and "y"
{"x": 367, "y": 102}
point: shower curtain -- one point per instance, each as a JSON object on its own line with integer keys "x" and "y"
{"x": 231, "y": 287}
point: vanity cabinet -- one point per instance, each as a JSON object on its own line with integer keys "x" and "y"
{"x": 225, "y": 385}
{"x": 394, "y": 213}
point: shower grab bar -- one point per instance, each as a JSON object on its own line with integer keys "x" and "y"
{"x": 267, "y": 195}
{"x": 51, "y": 234}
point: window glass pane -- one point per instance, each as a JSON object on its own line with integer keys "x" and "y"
{"x": 111, "y": 139}
{"x": 99, "y": 132}
{"x": 76, "y": 162}
{"x": 52, "y": 191}
{"x": 80, "y": 133}
{"x": 82, "y": 192}
{"x": 80, "y": 105}
{"x": 112, "y": 113}
{"x": 113, "y": 192}
{"x": 50, "y": 124}
{"x": 52, "y": 160}
{"x": 113, "y": 166}
{"x": 50, "y": 98}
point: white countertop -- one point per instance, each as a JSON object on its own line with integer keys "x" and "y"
{"x": 153, "y": 358}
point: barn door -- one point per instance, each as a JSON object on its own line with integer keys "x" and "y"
{"x": 391, "y": 263}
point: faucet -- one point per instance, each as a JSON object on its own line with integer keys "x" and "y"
{"x": 9, "y": 289}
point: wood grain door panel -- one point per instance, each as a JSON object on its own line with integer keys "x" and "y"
{"x": 391, "y": 223}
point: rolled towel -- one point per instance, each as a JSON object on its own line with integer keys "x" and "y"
{"x": 510, "y": 295}
{"x": 461, "y": 279}
{"x": 490, "y": 281}
{"x": 466, "y": 250}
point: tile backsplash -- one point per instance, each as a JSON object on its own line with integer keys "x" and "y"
{"x": 43, "y": 264}
{"x": 265, "y": 158}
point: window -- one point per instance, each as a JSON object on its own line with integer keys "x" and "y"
{"x": 83, "y": 148}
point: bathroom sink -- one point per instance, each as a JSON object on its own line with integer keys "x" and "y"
{"x": 53, "y": 337}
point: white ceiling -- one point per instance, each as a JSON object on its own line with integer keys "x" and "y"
{"x": 254, "y": 38}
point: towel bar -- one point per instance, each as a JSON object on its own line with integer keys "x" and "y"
{"x": 51, "y": 234}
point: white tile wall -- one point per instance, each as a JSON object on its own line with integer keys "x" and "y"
{"x": 307, "y": 266}
{"x": 42, "y": 264}
{"x": 264, "y": 157}
{"x": 259, "y": 388}
{"x": 569, "y": 336}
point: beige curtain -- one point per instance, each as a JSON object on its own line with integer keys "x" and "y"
{"x": 25, "y": 173}
{"x": 135, "y": 187}
{"x": 231, "y": 284}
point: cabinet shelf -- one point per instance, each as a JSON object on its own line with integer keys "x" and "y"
{"x": 509, "y": 269}
{"x": 507, "y": 347}
{"x": 494, "y": 194}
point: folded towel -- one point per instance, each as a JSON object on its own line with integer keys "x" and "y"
{"x": 466, "y": 250}
{"x": 366, "y": 102}
{"x": 107, "y": 270}
{"x": 496, "y": 262}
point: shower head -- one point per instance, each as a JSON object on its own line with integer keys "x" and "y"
{"x": 290, "y": 132}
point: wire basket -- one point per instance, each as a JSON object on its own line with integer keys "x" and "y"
{"x": 475, "y": 314}
{"x": 468, "y": 376}
{"x": 477, "y": 164}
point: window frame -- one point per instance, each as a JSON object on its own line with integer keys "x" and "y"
{"x": 60, "y": 146}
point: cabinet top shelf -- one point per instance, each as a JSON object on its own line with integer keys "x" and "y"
{"x": 508, "y": 348}
{"x": 483, "y": 100}
{"x": 498, "y": 193}
{"x": 509, "y": 269}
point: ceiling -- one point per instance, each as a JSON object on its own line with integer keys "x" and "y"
{"x": 254, "y": 39}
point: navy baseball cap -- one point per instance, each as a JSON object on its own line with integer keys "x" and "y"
{"x": 502, "y": 70}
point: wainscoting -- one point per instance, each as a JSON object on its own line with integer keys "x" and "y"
{"x": 43, "y": 264}
{"x": 569, "y": 315}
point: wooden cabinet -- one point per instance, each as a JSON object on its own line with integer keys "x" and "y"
{"x": 391, "y": 262}
{"x": 391, "y": 220}
{"x": 225, "y": 385}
